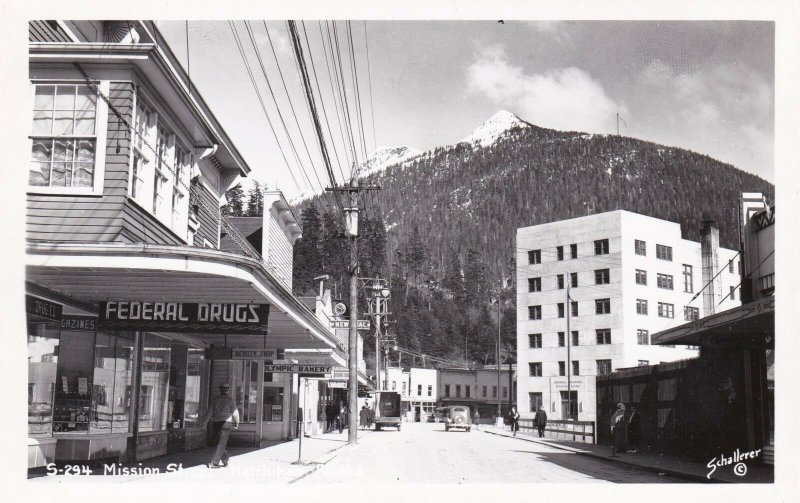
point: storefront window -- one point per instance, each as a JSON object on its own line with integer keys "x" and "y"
{"x": 123, "y": 382}
{"x": 273, "y": 403}
{"x": 197, "y": 369}
{"x": 247, "y": 390}
{"x": 155, "y": 381}
{"x": 74, "y": 382}
{"x": 42, "y": 362}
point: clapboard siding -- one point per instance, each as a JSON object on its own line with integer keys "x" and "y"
{"x": 46, "y": 31}
{"x": 139, "y": 226}
{"x": 80, "y": 218}
{"x": 206, "y": 203}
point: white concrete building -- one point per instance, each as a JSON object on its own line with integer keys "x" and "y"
{"x": 628, "y": 276}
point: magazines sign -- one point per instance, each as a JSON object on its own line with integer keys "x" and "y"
{"x": 189, "y": 317}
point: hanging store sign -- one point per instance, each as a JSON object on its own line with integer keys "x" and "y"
{"x": 78, "y": 323}
{"x": 298, "y": 368}
{"x": 41, "y": 308}
{"x": 254, "y": 354}
{"x": 338, "y": 384}
{"x": 184, "y": 317}
{"x": 345, "y": 324}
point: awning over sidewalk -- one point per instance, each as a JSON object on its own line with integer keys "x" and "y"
{"x": 113, "y": 272}
{"x": 750, "y": 324}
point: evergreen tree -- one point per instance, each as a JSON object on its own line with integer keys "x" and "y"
{"x": 235, "y": 205}
{"x": 476, "y": 284}
{"x": 416, "y": 254}
{"x": 255, "y": 200}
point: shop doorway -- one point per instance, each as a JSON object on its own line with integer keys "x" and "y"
{"x": 569, "y": 408}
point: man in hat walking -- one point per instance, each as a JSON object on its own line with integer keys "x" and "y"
{"x": 224, "y": 418}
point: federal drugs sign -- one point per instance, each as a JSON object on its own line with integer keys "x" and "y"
{"x": 231, "y": 318}
{"x": 345, "y": 324}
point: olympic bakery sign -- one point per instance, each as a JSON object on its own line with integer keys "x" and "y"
{"x": 190, "y": 317}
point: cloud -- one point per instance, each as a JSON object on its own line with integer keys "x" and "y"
{"x": 725, "y": 111}
{"x": 565, "y": 98}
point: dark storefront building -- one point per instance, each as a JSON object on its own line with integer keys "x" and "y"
{"x": 722, "y": 400}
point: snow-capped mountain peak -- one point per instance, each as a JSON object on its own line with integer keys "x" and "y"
{"x": 385, "y": 157}
{"x": 493, "y": 128}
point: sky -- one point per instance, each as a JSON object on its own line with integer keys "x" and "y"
{"x": 707, "y": 86}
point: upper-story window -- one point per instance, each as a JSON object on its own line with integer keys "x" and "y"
{"x": 535, "y": 256}
{"x": 65, "y": 139}
{"x": 664, "y": 281}
{"x": 160, "y": 169}
{"x": 573, "y": 250}
{"x": 601, "y": 247}
{"x": 534, "y": 284}
{"x": 560, "y": 252}
{"x": 602, "y": 276}
{"x": 664, "y": 252}
{"x": 688, "y": 283}
{"x": 640, "y": 247}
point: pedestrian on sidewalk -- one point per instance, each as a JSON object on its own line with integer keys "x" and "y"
{"x": 513, "y": 419}
{"x": 363, "y": 417}
{"x": 371, "y": 416}
{"x": 477, "y": 419}
{"x": 634, "y": 431}
{"x": 541, "y": 421}
{"x": 619, "y": 429}
{"x": 330, "y": 416}
{"x": 225, "y": 418}
{"x": 341, "y": 418}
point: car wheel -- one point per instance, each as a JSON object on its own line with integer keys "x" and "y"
{"x": 377, "y": 428}
{"x": 446, "y": 428}
{"x": 398, "y": 427}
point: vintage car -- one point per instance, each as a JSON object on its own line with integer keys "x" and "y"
{"x": 439, "y": 415}
{"x": 458, "y": 416}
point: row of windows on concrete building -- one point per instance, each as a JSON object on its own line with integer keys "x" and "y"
{"x": 600, "y": 248}
{"x": 601, "y": 277}
{"x": 468, "y": 391}
{"x": 602, "y": 337}
{"x": 602, "y": 367}
{"x": 601, "y": 306}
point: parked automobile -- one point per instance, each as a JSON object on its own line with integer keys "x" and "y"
{"x": 458, "y": 417}
{"x": 439, "y": 415}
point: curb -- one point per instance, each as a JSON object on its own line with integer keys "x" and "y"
{"x": 319, "y": 464}
{"x": 666, "y": 471}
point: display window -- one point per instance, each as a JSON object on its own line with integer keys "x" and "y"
{"x": 111, "y": 384}
{"x": 153, "y": 394}
{"x": 197, "y": 372}
{"x": 273, "y": 403}
{"x": 43, "y": 345}
{"x": 247, "y": 389}
{"x": 73, "y": 399}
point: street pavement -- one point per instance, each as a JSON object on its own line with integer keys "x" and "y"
{"x": 425, "y": 453}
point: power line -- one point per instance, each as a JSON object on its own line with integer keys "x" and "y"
{"x": 345, "y": 102}
{"x": 322, "y": 101}
{"x": 369, "y": 75}
{"x": 288, "y": 96}
{"x": 336, "y": 98}
{"x": 264, "y": 109}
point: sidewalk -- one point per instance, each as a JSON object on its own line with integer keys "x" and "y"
{"x": 274, "y": 464}
{"x": 670, "y": 465}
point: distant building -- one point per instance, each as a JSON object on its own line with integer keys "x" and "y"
{"x": 417, "y": 388}
{"x": 478, "y": 389}
{"x": 628, "y": 276}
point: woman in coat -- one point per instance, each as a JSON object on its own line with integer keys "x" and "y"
{"x": 619, "y": 428}
{"x": 513, "y": 419}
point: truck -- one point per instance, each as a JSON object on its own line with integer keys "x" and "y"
{"x": 387, "y": 410}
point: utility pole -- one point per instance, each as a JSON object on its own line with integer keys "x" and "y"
{"x": 377, "y": 342}
{"x": 569, "y": 361}
{"x": 351, "y": 231}
{"x": 499, "y": 403}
